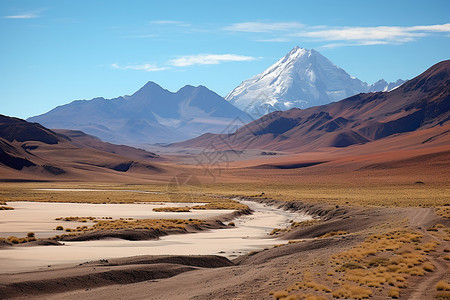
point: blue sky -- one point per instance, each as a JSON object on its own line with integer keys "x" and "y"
{"x": 54, "y": 52}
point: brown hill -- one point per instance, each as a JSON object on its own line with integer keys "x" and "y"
{"x": 29, "y": 152}
{"x": 420, "y": 103}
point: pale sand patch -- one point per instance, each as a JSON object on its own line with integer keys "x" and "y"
{"x": 39, "y": 217}
{"x": 251, "y": 233}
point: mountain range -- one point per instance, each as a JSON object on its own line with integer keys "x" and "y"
{"x": 414, "y": 117}
{"x": 151, "y": 115}
{"x": 302, "y": 78}
{"x": 420, "y": 103}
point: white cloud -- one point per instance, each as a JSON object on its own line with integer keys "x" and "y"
{"x": 366, "y": 35}
{"x": 144, "y": 67}
{"x": 184, "y": 61}
{"x": 26, "y": 15}
{"x": 23, "y": 16}
{"x": 432, "y": 28}
{"x": 207, "y": 59}
{"x": 340, "y": 36}
{"x": 263, "y": 27}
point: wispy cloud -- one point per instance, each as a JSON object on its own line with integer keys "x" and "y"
{"x": 338, "y": 36}
{"x": 30, "y": 15}
{"x": 185, "y": 61}
{"x": 207, "y": 59}
{"x": 365, "y": 35}
{"x": 26, "y": 15}
{"x": 263, "y": 27}
{"x": 144, "y": 67}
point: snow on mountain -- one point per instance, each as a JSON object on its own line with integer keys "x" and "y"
{"x": 303, "y": 78}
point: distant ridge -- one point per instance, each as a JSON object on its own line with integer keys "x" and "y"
{"x": 151, "y": 115}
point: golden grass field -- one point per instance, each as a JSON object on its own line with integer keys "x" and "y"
{"x": 376, "y": 194}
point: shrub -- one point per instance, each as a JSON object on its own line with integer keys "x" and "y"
{"x": 59, "y": 228}
{"x": 394, "y": 293}
{"x": 6, "y": 208}
{"x": 333, "y": 233}
{"x": 280, "y": 294}
{"x": 428, "y": 267}
{"x": 30, "y": 234}
{"x": 13, "y": 239}
{"x": 172, "y": 209}
{"x": 442, "y": 295}
{"x": 442, "y": 286}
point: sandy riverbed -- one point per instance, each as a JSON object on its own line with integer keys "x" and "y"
{"x": 39, "y": 217}
{"x": 250, "y": 233}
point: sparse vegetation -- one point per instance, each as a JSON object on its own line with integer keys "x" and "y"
{"x": 136, "y": 224}
{"x": 442, "y": 286}
{"x": 6, "y": 208}
{"x": 19, "y": 240}
{"x": 76, "y": 219}
{"x": 295, "y": 225}
{"x": 333, "y": 233}
{"x": 394, "y": 293}
{"x": 382, "y": 263}
{"x": 443, "y": 211}
{"x": 222, "y": 204}
{"x": 172, "y": 209}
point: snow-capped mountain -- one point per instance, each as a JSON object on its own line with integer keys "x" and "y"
{"x": 303, "y": 78}
{"x": 151, "y": 115}
{"x": 383, "y": 86}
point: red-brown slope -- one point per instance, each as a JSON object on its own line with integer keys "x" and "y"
{"x": 422, "y": 102}
{"x": 83, "y": 140}
{"x": 29, "y": 151}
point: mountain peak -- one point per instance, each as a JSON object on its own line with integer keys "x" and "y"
{"x": 296, "y": 53}
{"x": 151, "y": 84}
{"x": 302, "y": 78}
{"x": 189, "y": 88}
{"x": 150, "y": 88}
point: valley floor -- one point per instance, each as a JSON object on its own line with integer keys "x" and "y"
{"x": 408, "y": 240}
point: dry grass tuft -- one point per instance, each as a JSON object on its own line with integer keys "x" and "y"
{"x": 6, "y": 208}
{"x": 280, "y": 294}
{"x": 222, "y": 204}
{"x": 332, "y": 233}
{"x": 442, "y": 286}
{"x": 149, "y": 224}
{"x": 172, "y": 209}
{"x": 76, "y": 219}
{"x": 394, "y": 293}
{"x": 443, "y": 211}
{"x": 352, "y": 291}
